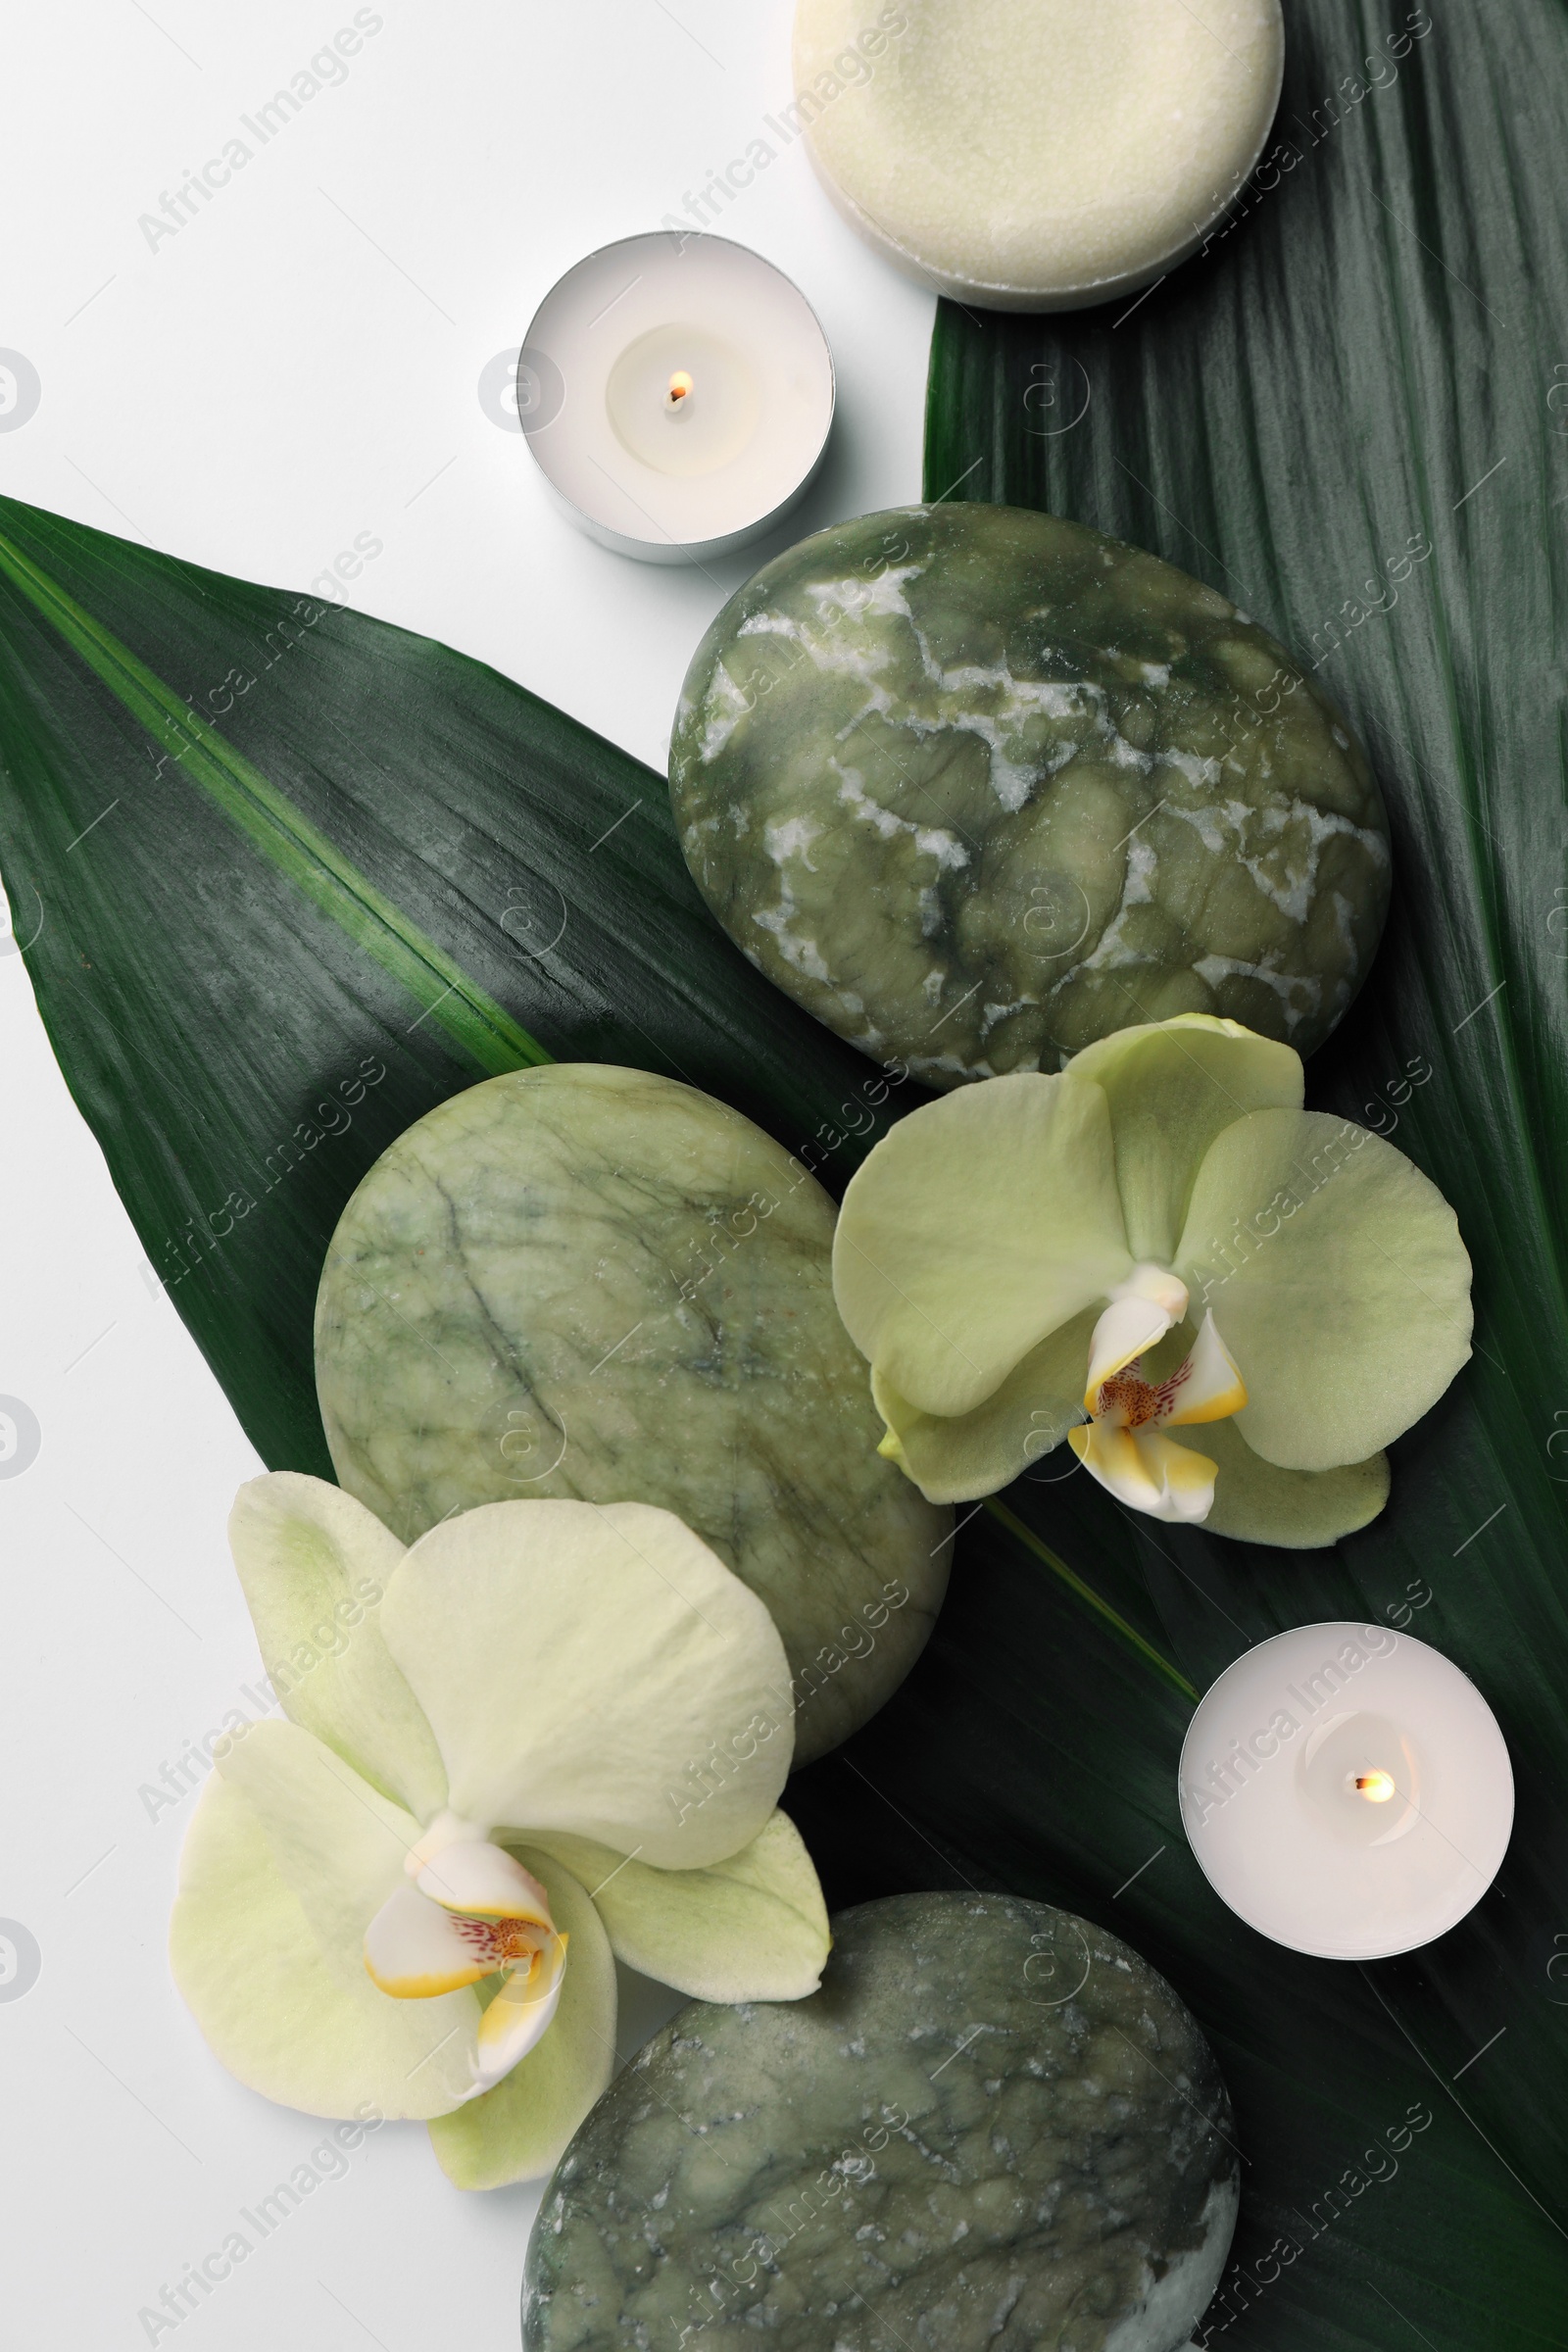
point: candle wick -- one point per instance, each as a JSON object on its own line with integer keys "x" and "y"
{"x": 680, "y": 393}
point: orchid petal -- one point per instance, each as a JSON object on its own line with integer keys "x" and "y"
{"x": 1295, "y": 1509}
{"x": 338, "y": 1843}
{"x": 1338, "y": 1272}
{"x": 1172, "y": 1086}
{"x": 978, "y": 1226}
{"x": 959, "y": 1458}
{"x": 753, "y": 1928}
{"x": 289, "y": 2019}
{"x": 517, "y": 2131}
{"x": 315, "y": 1566}
{"x": 579, "y": 1663}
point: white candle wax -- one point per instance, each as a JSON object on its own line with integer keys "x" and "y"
{"x": 1037, "y": 155}
{"x": 678, "y": 393}
{"x": 1346, "y": 1791}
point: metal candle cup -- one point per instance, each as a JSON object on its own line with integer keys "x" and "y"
{"x": 678, "y": 394}
{"x": 1346, "y": 1791}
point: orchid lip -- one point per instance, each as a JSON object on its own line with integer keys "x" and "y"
{"x": 520, "y": 2015}
{"x": 1124, "y": 1445}
{"x": 473, "y": 1911}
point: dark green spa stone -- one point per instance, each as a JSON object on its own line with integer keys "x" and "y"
{"x": 977, "y": 786}
{"x": 591, "y": 1282}
{"x": 995, "y": 2128}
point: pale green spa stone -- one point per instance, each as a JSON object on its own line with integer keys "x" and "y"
{"x": 585, "y": 1281}
{"x": 995, "y": 2128}
{"x": 977, "y": 786}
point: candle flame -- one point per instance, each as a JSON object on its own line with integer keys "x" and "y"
{"x": 680, "y": 389}
{"x": 1376, "y": 1786}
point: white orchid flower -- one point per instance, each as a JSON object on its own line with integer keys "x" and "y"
{"x": 1158, "y": 1239}
{"x": 552, "y": 1735}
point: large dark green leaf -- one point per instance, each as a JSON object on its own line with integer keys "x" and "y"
{"x": 1372, "y": 356}
{"x": 264, "y": 850}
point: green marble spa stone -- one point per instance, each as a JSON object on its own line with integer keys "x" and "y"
{"x": 585, "y": 1281}
{"x": 977, "y": 786}
{"x": 995, "y": 2128}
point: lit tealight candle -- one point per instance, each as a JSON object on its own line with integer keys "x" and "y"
{"x": 678, "y": 393}
{"x": 1346, "y": 1791}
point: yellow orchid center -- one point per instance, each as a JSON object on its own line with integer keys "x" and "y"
{"x": 503, "y": 1942}
{"x": 1123, "y": 1443}
{"x": 471, "y": 1911}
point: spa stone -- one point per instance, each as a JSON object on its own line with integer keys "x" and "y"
{"x": 1037, "y": 155}
{"x": 976, "y": 786}
{"x": 995, "y": 2128}
{"x": 586, "y": 1281}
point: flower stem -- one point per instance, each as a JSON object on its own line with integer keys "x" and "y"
{"x": 1086, "y": 1592}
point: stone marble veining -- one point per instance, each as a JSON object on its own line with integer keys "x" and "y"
{"x": 977, "y": 786}
{"x": 586, "y": 1281}
{"x": 995, "y": 2128}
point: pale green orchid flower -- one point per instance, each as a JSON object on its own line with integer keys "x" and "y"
{"x": 548, "y": 1735}
{"x": 1158, "y": 1239}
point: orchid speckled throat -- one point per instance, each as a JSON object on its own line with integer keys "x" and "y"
{"x": 1159, "y": 1238}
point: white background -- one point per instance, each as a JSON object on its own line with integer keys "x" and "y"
{"x": 297, "y": 365}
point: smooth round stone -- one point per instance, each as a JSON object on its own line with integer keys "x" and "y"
{"x": 585, "y": 1281}
{"x": 994, "y": 2130}
{"x": 977, "y": 786}
{"x": 1037, "y": 155}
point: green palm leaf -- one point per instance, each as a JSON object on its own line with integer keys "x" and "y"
{"x": 1371, "y": 357}
{"x": 296, "y": 876}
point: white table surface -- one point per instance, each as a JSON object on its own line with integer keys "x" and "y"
{"x": 297, "y": 365}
